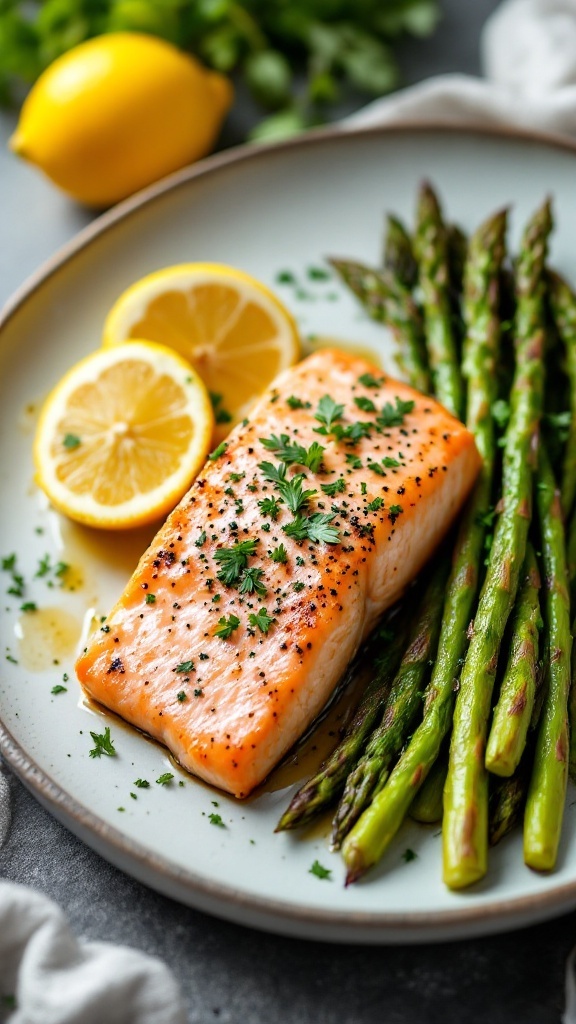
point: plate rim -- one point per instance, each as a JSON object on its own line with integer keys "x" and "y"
{"x": 409, "y": 925}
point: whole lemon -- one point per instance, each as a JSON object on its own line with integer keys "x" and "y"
{"x": 118, "y": 112}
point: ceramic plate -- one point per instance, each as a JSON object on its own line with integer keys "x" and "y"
{"x": 272, "y": 212}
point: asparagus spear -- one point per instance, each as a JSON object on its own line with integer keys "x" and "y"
{"x": 434, "y": 276}
{"x": 563, "y": 303}
{"x": 385, "y": 299}
{"x": 457, "y": 245}
{"x": 379, "y": 824}
{"x": 547, "y": 790}
{"x": 465, "y": 831}
{"x": 327, "y": 784}
{"x": 506, "y": 802}
{"x": 399, "y": 257}
{"x": 516, "y": 702}
{"x": 427, "y": 805}
{"x": 401, "y": 708}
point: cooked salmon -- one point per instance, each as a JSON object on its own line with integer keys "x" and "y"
{"x": 301, "y": 530}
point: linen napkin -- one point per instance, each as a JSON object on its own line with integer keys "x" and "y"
{"x": 529, "y": 60}
{"x": 48, "y": 977}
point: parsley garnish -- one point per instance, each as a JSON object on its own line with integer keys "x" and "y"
{"x": 298, "y": 585}
{"x": 318, "y": 274}
{"x": 201, "y": 539}
{"x": 275, "y": 474}
{"x": 365, "y": 404}
{"x": 394, "y": 511}
{"x": 297, "y": 529}
{"x": 501, "y": 412}
{"x": 184, "y": 667}
{"x": 216, "y": 819}
{"x": 218, "y": 451}
{"x": 29, "y": 606}
{"x": 142, "y": 784}
{"x": 285, "y": 450}
{"x": 320, "y": 871}
{"x": 220, "y": 415}
{"x": 252, "y": 582}
{"x": 335, "y": 488}
{"x": 297, "y": 403}
{"x": 269, "y": 507}
{"x": 104, "y": 744}
{"x": 295, "y": 497}
{"x": 226, "y": 626}
{"x": 313, "y": 459}
{"x": 409, "y": 855}
{"x": 374, "y": 505}
{"x": 393, "y": 416}
{"x": 150, "y": 598}
{"x": 370, "y": 381}
{"x": 235, "y": 478}
{"x": 164, "y": 779}
{"x": 279, "y": 554}
{"x": 59, "y": 689}
{"x": 233, "y": 560}
{"x": 353, "y": 461}
{"x": 379, "y": 467}
{"x": 327, "y": 413}
{"x": 319, "y": 530}
{"x": 181, "y": 697}
{"x": 71, "y": 441}
{"x": 262, "y": 620}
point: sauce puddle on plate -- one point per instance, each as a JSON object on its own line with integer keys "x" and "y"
{"x": 46, "y": 637}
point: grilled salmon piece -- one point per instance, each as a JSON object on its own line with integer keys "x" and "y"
{"x": 301, "y": 530}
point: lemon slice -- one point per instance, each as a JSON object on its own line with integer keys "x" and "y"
{"x": 233, "y": 330}
{"x": 122, "y": 436}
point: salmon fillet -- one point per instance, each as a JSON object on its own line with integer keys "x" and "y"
{"x": 247, "y": 607}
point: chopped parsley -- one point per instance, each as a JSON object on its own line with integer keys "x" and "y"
{"x": 226, "y": 626}
{"x": 327, "y": 413}
{"x": 500, "y": 412}
{"x": 370, "y": 381}
{"x": 319, "y": 529}
{"x": 293, "y": 494}
{"x": 269, "y": 507}
{"x": 365, "y": 404}
{"x": 233, "y": 561}
{"x": 261, "y": 620}
{"x": 221, "y": 415}
{"x": 318, "y": 274}
{"x": 218, "y": 451}
{"x": 201, "y": 539}
{"x": 59, "y": 689}
{"x": 274, "y": 474}
{"x": 150, "y": 598}
{"x": 142, "y": 784}
{"x": 334, "y": 488}
{"x": 298, "y": 585}
{"x": 184, "y": 667}
{"x": 394, "y": 511}
{"x": 103, "y": 744}
{"x": 393, "y": 415}
{"x": 353, "y": 461}
{"x": 375, "y": 504}
{"x": 285, "y": 277}
{"x": 29, "y": 606}
{"x": 251, "y": 582}
{"x": 71, "y": 441}
{"x": 164, "y": 779}
{"x": 216, "y": 819}
{"x": 296, "y": 403}
{"x": 181, "y": 697}
{"x": 409, "y": 855}
{"x": 235, "y": 478}
{"x": 284, "y": 449}
{"x": 320, "y": 871}
{"x": 279, "y": 554}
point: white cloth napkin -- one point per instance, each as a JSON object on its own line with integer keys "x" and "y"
{"x": 528, "y": 50}
{"x": 529, "y": 60}
{"x": 48, "y": 977}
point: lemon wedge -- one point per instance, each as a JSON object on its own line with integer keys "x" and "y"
{"x": 233, "y": 329}
{"x": 122, "y": 436}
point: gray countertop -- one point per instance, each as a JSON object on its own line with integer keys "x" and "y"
{"x": 229, "y": 973}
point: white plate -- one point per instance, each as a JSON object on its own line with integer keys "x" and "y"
{"x": 264, "y": 211}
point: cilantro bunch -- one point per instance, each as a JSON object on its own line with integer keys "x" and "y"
{"x": 297, "y": 57}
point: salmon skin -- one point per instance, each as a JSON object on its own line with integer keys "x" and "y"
{"x": 256, "y": 593}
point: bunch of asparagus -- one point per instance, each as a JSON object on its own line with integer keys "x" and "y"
{"x": 482, "y": 740}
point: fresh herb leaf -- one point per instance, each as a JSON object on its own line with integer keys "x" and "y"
{"x": 284, "y": 449}
{"x": 313, "y": 459}
{"x": 235, "y": 478}
{"x": 297, "y": 529}
{"x": 251, "y": 582}
{"x": 320, "y": 871}
{"x": 293, "y": 494}
{"x": 226, "y": 626}
{"x": 201, "y": 539}
{"x": 269, "y": 507}
{"x": 274, "y": 474}
{"x": 103, "y": 744}
{"x": 181, "y": 696}
{"x": 233, "y": 560}
{"x": 142, "y": 784}
{"x": 29, "y": 606}
{"x": 216, "y": 819}
{"x": 71, "y": 441}
{"x": 261, "y": 620}
{"x": 374, "y": 505}
{"x": 353, "y": 461}
{"x": 365, "y": 404}
{"x": 221, "y": 415}
{"x": 279, "y": 554}
{"x": 500, "y": 412}
{"x": 59, "y": 689}
{"x": 337, "y": 487}
{"x": 393, "y": 415}
{"x": 298, "y": 585}
{"x": 327, "y": 413}
{"x": 370, "y": 381}
{"x": 150, "y": 598}
{"x": 218, "y": 451}
{"x": 394, "y": 511}
{"x": 409, "y": 855}
{"x": 185, "y": 667}
{"x": 297, "y": 403}
{"x": 164, "y": 779}
{"x": 319, "y": 530}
